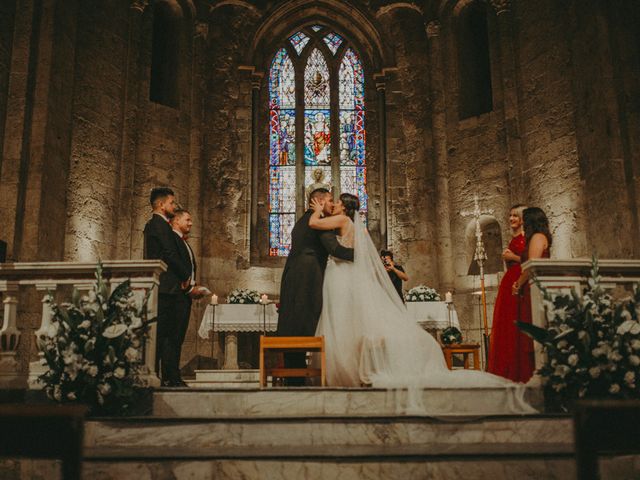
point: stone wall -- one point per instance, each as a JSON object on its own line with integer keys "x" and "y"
{"x": 82, "y": 144}
{"x": 410, "y": 181}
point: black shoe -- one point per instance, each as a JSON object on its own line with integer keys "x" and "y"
{"x": 181, "y": 383}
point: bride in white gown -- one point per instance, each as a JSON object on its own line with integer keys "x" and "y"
{"x": 370, "y": 339}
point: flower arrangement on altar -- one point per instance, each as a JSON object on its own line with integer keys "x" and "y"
{"x": 592, "y": 345}
{"x": 244, "y": 296}
{"x": 93, "y": 349}
{"x": 450, "y": 336}
{"x": 422, "y": 293}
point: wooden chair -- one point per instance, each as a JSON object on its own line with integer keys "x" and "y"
{"x": 608, "y": 427}
{"x": 291, "y": 344}
{"x": 465, "y": 349}
{"x": 43, "y": 431}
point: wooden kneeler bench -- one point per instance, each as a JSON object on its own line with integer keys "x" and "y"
{"x": 286, "y": 345}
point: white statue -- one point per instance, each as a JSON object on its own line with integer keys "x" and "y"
{"x": 318, "y": 177}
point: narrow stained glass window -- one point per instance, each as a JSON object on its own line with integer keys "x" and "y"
{"x": 317, "y": 114}
{"x": 282, "y": 159}
{"x": 353, "y": 167}
{"x": 315, "y": 111}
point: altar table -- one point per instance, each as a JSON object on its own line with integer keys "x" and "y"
{"x": 234, "y": 318}
{"x": 433, "y": 315}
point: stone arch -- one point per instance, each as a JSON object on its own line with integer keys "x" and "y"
{"x": 235, "y": 3}
{"x": 359, "y": 28}
{"x": 492, "y": 239}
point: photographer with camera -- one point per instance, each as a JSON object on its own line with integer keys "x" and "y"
{"x": 395, "y": 271}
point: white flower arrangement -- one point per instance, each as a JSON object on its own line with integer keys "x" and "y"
{"x": 243, "y": 296}
{"x": 422, "y": 293}
{"x": 592, "y": 345}
{"x": 93, "y": 350}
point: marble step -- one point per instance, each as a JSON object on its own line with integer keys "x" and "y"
{"x": 617, "y": 468}
{"x": 534, "y": 435}
{"x": 315, "y": 402}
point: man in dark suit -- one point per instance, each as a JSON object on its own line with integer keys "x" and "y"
{"x": 301, "y": 286}
{"x": 181, "y": 224}
{"x": 160, "y": 242}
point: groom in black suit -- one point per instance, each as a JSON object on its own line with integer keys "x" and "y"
{"x": 160, "y": 242}
{"x": 301, "y": 286}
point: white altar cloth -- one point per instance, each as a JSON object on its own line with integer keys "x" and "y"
{"x": 239, "y": 318}
{"x": 433, "y": 315}
{"x": 251, "y": 318}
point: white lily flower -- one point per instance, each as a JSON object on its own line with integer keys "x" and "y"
{"x": 119, "y": 372}
{"x": 594, "y": 372}
{"x": 634, "y": 360}
{"x": 615, "y": 388}
{"x": 630, "y": 377}
{"x": 104, "y": 389}
{"x": 114, "y": 331}
{"x": 572, "y": 360}
{"x": 132, "y": 354}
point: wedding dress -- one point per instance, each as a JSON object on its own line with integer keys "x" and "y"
{"x": 370, "y": 339}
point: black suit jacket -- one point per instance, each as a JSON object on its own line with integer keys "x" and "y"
{"x": 161, "y": 242}
{"x": 184, "y": 248}
{"x": 301, "y": 286}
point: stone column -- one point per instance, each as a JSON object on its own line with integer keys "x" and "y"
{"x": 231, "y": 351}
{"x": 255, "y": 143}
{"x": 382, "y": 135}
{"x": 439, "y": 121}
{"x": 510, "y": 99}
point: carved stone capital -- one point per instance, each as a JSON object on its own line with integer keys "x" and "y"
{"x": 501, "y": 6}
{"x": 201, "y": 30}
{"x": 433, "y": 29}
{"x": 139, "y": 5}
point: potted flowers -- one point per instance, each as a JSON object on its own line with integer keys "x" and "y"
{"x": 592, "y": 345}
{"x": 93, "y": 349}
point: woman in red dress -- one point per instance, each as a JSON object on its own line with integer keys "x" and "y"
{"x": 503, "y": 351}
{"x": 538, "y": 237}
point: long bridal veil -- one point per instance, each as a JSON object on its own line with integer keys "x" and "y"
{"x": 395, "y": 352}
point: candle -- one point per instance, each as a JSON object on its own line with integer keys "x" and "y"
{"x": 264, "y": 299}
{"x": 448, "y": 297}
{"x": 214, "y": 299}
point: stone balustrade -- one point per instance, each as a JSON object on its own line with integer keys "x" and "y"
{"x": 27, "y": 313}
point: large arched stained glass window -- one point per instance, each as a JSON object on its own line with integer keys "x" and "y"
{"x": 328, "y": 108}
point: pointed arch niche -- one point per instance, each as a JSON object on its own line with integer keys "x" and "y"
{"x": 315, "y": 108}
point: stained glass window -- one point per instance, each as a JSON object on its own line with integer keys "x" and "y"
{"x": 282, "y": 147}
{"x": 299, "y": 41}
{"x": 353, "y": 176}
{"x": 333, "y": 41}
{"x": 316, "y": 104}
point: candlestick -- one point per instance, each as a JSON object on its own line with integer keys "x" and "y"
{"x": 264, "y": 299}
{"x": 448, "y": 297}
{"x": 214, "y": 299}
